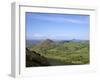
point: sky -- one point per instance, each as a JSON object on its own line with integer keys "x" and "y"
{"x": 56, "y": 26}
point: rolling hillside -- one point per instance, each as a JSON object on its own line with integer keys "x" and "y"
{"x": 62, "y": 53}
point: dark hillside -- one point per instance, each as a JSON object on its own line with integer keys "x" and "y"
{"x": 35, "y": 59}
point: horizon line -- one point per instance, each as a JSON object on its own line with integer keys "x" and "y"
{"x": 57, "y": 39}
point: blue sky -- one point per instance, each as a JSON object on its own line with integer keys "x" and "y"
{"x": 56, "y": 26}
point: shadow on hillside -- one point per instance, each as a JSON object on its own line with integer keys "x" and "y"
{"x": 35, "y": 59}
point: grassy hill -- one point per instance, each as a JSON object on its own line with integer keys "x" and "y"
{"x": 61, "y": 53}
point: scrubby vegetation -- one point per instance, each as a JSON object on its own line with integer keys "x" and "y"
{"x": 52, "y": 53}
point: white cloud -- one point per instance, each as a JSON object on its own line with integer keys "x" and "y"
{"x": 47, "y": 36}
{"x": 75, "y": 21}
{"x": 60, "y": 19}
{"x": 38, "y": 35}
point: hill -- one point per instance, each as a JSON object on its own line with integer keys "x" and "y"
{"x": 42, "y": 46}
{"x": 61, "y": 52}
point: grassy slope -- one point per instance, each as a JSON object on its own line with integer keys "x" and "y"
{"x": 63, "y": 53}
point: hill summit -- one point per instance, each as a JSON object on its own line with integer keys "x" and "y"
{"x": 43, "y": 45}
{"x": 47, "y": 41}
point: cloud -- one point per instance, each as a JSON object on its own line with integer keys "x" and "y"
{"x": 64, "y": 20}
{"x": 38, "y": 35}
{"x": 60, "y": 19}
{"x": 75, "y": 21}
{"x": 48, "y": 36}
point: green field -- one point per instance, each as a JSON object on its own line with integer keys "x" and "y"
{"x": 52, "y": 53}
